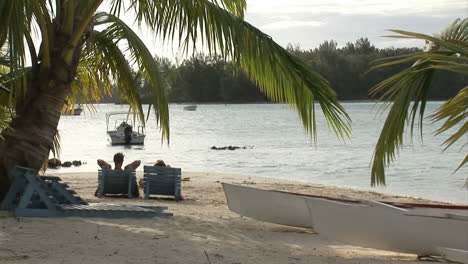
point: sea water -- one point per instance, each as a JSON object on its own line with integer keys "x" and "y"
{"x": 274, "y": 144}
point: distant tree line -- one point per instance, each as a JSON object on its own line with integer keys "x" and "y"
{"x": 205, "y": 79}
{"x": 208, "y": 79}
{"x": 347, "y": 68}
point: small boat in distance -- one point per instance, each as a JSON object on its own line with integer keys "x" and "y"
{"x": 190, "y": 108}
{"x": 122, "y": 132}
{"x": 422, "y": 229}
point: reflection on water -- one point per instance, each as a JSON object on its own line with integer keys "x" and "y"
{"x": 276, "y": 146}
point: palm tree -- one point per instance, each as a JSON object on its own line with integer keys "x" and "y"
{"x": 408, "y": 92}
{"x": 82, "y": 52}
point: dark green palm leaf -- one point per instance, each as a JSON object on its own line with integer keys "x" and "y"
{"x": 454, "y": 113}
{"x": 109, "y": 60}
{"x": 408, "y": 91}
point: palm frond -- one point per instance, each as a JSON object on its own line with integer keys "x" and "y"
{"x": 115, "y": 32}
{"x": 408, "y": 94}
{"x": 145, "y": 9}
{"x": 6, "y": 112}
{"x": 41, "y": 14}
{"x": 6, "y": 9}
{"x": 105, "y": 63}
{"x": 14, "y": 25}
{"x": 408, "y": 91}
{"x": 16, "y": 82}
{"x": 56, "y": 148}
{"x": 5, "y": 118}
{"x": 454, "y": 113}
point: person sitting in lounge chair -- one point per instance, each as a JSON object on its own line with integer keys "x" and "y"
{"x": 118, "y": 162}
{"x": 159, "y": 163}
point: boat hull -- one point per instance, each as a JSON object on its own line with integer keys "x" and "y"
{"x": 268, "y": 206}
{"x": 422, "y": 231}
{"x": 190, "y": 108}
{"x": 137, "y": 139}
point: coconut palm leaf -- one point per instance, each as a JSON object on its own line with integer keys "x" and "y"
{"x": 105, "y": 62}
{"x": 5, "y": 111}
{"x": 454, "y": 113}
{"x": 13, "y": 27}
{"x": 148, "y": 67}
{"x": 408, "y": 91}
{"x": 16, "y": 81}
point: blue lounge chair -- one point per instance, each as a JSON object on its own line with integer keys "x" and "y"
{"x": 117, "y": 182}
{"x": 162, "y": 181}
{"x": 33, "y": 196}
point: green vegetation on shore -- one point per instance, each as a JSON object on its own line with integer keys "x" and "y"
{"x": 211, "y": 79}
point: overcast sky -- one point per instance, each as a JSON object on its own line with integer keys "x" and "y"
{"x": 310, "y": 22}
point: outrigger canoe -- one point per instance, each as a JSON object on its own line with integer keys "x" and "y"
{"x": 422, "y": 229}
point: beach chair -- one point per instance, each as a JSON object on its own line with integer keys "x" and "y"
{"x": 162, "y": 181}
{"x": 33, "y": 196}
{"x": 116, "y": 182}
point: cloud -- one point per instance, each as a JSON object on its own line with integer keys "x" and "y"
{"x": 287, "y": 24}
{"x": 309, "y": 23}
{"x": 354, "y": 7}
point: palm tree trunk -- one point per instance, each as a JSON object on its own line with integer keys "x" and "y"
{"x": 29, "y": 141}
{"x": 30, "y": 138}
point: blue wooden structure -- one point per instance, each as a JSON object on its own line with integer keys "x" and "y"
{"x": 117, "y": 182}
{"x": 162, "y": 181}
{"x": 33, "y": 196}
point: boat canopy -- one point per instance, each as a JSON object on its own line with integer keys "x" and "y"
{"x": 109, "y": 114}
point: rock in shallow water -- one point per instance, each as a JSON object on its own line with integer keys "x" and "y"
{"x": 54, "y": 163}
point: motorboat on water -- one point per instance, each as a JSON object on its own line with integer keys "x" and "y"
{"x": 123, "y": 133}
{"x": 422, "y": 229}
{"x": 190, "y": 108}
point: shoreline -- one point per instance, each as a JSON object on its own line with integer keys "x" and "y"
{"x": 201, "y": 230}
{"x": 339, "y": 192}
{"x": 263, "y": 102}
{"x": 307, "y": 186}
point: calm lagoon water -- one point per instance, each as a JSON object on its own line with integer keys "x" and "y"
{"x": 276, "y": 146}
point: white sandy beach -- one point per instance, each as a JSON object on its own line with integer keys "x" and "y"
{"x": 201, "y": 230}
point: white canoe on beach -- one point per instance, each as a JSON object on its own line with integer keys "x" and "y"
{"x": 268, "y": 206}
{"x": 422, "y": 229}
{"x": 417, "y": 229}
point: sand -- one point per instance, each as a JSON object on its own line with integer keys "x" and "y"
{"x": 201, "y": 230}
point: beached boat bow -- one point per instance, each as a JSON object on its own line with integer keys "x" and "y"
{"x": 422, "y": 229}
{"x": 268, "y": 206}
